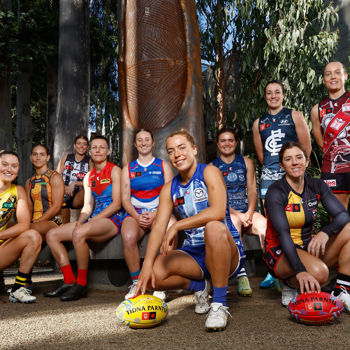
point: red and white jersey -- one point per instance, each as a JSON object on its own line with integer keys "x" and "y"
{"x": 335, "y": 125}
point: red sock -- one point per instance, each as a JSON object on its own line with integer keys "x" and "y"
{"x": 68, "y": 274}
{"x": 82, "y": 277}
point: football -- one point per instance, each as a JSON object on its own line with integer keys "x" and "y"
{"x": 143, "y": 311}
{"x": 315, "y": 308}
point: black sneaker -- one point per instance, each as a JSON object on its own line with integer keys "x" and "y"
{"x": 60, "y": 290}
{"x": 74, "y": 293}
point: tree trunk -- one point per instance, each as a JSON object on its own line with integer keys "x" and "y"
{"x": 6, "y": 141}
{"x": 219, "y": 75}
{"x": 24, "y": 120}
{"x": 51, "y": 105}
{"x": 73, "y": 99}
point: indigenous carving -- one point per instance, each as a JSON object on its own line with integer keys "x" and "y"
{"x": 159, "y": 71}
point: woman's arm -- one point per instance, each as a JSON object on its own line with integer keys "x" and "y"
{"x": 57, "y": 192}
{"x": 302, "y": 131}
{"x": 126, "y": 194}
{"x": 316, "y": 127}
{"x": 22, "y": 215}
{"x": 259, "y": 148}
{"x": 88, "y": 201}
{"x": 116, "y": 201}
{"x": 251, "y": 187}
{"x": 29, "y": 199}
{"x": 60, "y": 165}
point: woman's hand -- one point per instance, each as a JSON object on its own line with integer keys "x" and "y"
{"x": 317, "y": 245}
{"x": 168, "y": 239}
{"x": 307, "y": 282}
{"x": 145, "y": 276}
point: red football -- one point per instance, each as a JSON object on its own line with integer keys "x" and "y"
{"x": 315, "y": 308}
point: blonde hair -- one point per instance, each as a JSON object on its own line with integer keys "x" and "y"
{"x": 185, "y": 133}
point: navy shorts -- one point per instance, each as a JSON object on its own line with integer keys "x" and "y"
{"x": 198, "y": 254}
{"x": 338, "y": 183}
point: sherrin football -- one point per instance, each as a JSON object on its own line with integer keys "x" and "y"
{"x": 143, "y": 311}
{"x": 315, "y": 308}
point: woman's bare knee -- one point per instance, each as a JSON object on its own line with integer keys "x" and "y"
{"x": 215, "y": 231}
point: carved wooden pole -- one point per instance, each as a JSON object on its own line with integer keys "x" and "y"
{"x": 160, "y": 81}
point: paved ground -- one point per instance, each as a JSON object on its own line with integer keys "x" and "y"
{"x": 259, "y": 322}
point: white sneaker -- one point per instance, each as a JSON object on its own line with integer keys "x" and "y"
{"x": 288, "y": 294}
{"x": 22, "y": 295}
{"x": 217, "y": 317}
{"x": 132, "y": 290}
{"x": 160, "y": 294}
{"x": 201, "y": 298}
{"x": 344, "y": 297}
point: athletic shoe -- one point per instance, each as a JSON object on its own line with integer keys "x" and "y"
{"x": 28, "y": 287}
{"x": 160, "y": 294}
{"x": 268, "y": 282}
{"x": 244, "y": 289}
{"x": 330, "y": 286}
{"x": 22, "y": 295}
{"x": 217, "y": 317}
{"x": 76, "y": 292}
{"x": 288, "y": 294}
{"x": 344, "y": 297}
{"x": 60, "y": 290}
{"x": 132, "y": 290}
{"x": 201, "y": 298}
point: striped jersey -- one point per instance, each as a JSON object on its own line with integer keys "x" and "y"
{"x": 146, "y": 181}
{"x": 190, "y": 199}
{"x": 8, "y": 205}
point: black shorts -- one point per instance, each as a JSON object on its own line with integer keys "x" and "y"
{"x": 68, "y": 201}
{"x": 338, "y": 183}
{"x": 273, "y": 255}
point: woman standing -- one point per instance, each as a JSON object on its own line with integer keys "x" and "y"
{"x": 142, "y": 181}
{"x": 293, "y": 253}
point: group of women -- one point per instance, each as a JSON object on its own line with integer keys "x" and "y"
{"x": 213, "y": 204}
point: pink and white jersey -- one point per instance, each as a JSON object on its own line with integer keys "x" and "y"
{"x": 146, "y": 181}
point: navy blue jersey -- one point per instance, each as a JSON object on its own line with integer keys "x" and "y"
{"x": 191, "y": 199}
{"x": 275, "y": 131}
{"x": 235, "y": 176}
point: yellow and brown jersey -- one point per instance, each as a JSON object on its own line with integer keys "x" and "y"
{"x": 8, "y": 205}
{"x": 41, "y": 193}
{"x": 291, "y": 216}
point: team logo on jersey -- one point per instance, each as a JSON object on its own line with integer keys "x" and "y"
{"x": 311, "y": 203}
{"x": 337, "y": 124}
{"x": 224, "y": 173}
{"x": 80, "y": 175}
{"x": 325, "y": 111}
{"x": 136, "y": 174}
{"x": 292, "y": 207}
{"x": 200, "y": 195}
{"x": 273, "y": 142}
{"x": 331, "y": 182}
{"x": 264, "y": 126}
{"x": 346, "y": 108}
{"x": 69, "y": 167}
{"x": 93, "y": 183}
{"x": 105, "y": 181}
{"x": 179, "y": 201}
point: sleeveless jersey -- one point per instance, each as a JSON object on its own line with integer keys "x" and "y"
{"x": 146, "y": 181}
{"x": 8, "y": 205}
{"x": 191, "y": 199}
{"x": 335, "y": 125}
{"x": 235, "y": 176}
{"x": 101, "y": 187}
{"x": 74, "y": 171}
{"x": 276, "y": 130}
{"x": 291, "y": 216}
{"x": 41, "y": 193}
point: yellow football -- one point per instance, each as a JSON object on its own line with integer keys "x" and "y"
{"x": 143, "y": 311}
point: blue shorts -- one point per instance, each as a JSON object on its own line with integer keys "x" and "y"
{"x": 198, "y": 254}
{"x": 117, "y": 219}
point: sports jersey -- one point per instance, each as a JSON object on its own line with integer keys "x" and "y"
{"x": 8, "y": 205}
{"x": 146, "y": 181}
{"x": 235, "y": 176}
{"x": 334, "y": 118}
{"x": 41, "y": 193}
{"x": 74, "y": 171}
{"x": 191, "y": 199}
{"x": 276, "y": 130}
{"x": 291, "y": 216}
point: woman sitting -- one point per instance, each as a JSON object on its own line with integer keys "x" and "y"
{"x": 293, "y": 253}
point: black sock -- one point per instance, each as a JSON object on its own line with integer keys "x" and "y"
{"x": 343, "y": 281}
{"x": 20, "y": 281}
